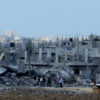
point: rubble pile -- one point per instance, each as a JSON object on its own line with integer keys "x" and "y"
{"x": 17, "y": 81}
{"x": 9, "y": 77}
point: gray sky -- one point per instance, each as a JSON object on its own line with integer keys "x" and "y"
{"x": 50, "y": 17}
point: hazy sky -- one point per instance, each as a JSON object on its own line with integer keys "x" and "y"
{"x": 50, "y": 17}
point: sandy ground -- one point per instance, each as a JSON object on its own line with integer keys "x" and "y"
{"x": 38, "y": 93}
{"x": 73, "y": 89}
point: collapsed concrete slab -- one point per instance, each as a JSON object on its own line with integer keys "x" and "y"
{"x": 13, "y": 68}
{"x": 2, "y": 70}
{"x": 21, "y": 68}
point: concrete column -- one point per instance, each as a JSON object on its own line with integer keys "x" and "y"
{"x": 25, "y": 55}
{"x": 87, "y": 72}
{"x": 86, "y": 55}
{"x": 77, "y": 48}
{"x": 80, "y": 72}
{"x": 40, "y": 54}
{"x": 57, "y": 50}
{"x": 48, "y": 53}
{"x": 65, "y": 55}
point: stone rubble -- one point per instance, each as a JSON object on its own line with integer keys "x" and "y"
{"x": 12, "y": 78}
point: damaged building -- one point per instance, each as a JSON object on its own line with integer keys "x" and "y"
{"x": 77, "y": 56}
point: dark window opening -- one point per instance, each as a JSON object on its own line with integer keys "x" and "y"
{"x": 12, "y": 44}
{"x": 53, "y": 54}
{"x": 76, "y": 71}
{"x": 68, "y": 59}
